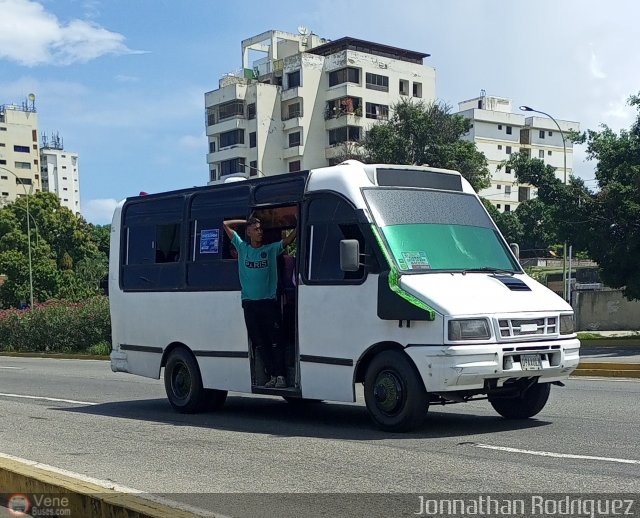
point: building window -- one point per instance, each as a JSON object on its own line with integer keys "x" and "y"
{"x": 499, "y": 127}
{"x": 34, "y": 135}
{"x": 507, "y": 190}
{"x": 231, "y": 138}
{"x": 253, "y": 168}
{"x": 507, "y": 170}
{"x": 541, "y": 133}
{"x": 251, "y": 111}
{"x": 508, "y": 150}
{"x": 344, "y": 75}
{"x": 21, "y": 149}
{"x": 343, "y": 106}
{"x": 235, "y": 165}
{"x": 252, "y": 139}
{"x": 507, "y": 208}
{"x": 295, "y": 139}
{"x": 376, "y": 82}
{"x": 293, "y": 79}
{"x": 22, "y": 165}
{"x": 499, "y": 146}
{"x": 541, "y": 153}
{"x": 3, "y": 128}
{"x": 3, "y": 177}
{"x": 5, "y": 194}
{"x": 212, "y": 146}
{"x": 344, "y": 134}
{"x": 499, "y": 186}
{"x": 509, "y": 130}
{"x": 2, "y": 144}
{"x": 498, "y": 206}
{"x": 524, "y": 194}
{"x": 549, "y": 153}
{"x": 377, "y": 111}
{"x": 417, "y": 89}
{"x": 230, "y": 109}
{"x": 404, "y": 87}
{"x": 294, "y": 166}
{"x": 293, "y": 110}
{"x": 550, "y": 133}
{"x": 212, "y": 175}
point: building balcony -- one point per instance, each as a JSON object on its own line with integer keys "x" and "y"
{"x": 340, "y": 150}
{"x": 290, "y": 93}
{"x": 289, "y": 124}
{"x": 238, "y": 122}
{"x": 347, "y": 119}
{"x": 229, "y": 152}
{"x": 293, "y": 151}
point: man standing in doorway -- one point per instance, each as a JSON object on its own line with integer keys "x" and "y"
{"x": 257, "y": 268}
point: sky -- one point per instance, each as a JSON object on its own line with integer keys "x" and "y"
{"x": 123, "y": 81}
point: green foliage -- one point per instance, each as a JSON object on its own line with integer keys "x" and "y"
{"x": 606, "y": 223}
{"x": 68, "y": 255}
{"x": 57, "y": 327}
{"x": 426, "y": 134}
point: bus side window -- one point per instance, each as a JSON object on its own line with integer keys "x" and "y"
{"x": 330, "y": 219}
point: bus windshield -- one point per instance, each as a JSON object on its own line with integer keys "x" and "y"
{"x": 427, "y": 230}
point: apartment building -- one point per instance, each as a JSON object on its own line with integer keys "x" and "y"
{"x": 301, "y": 101}
{"x": 498, "y": 132}
{"x": 59, "y": 169}
{"x": 19, "y": 152}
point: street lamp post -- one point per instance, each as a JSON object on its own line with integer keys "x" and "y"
{"x": 564, "y": 149}
{"x": 28, "y": 232}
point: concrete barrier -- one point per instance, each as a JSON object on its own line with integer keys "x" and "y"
{"x": 608, "y": 369}
{"x": 82, "y": 498}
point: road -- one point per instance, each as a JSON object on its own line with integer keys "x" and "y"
{"x": 79, "y": 416}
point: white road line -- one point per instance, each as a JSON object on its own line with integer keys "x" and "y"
{"x": 107, "y": 484}
{"x": 17, "y": 368}
{"x": 55, "y": 399}
{"x": 552, "y": 454}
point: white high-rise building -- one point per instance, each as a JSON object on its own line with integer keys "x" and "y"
{"x": 60, "y": 172}
{"x": 19, "y": 153}
{"x": 305, "y": 101}
{"x": 498, "y": 132}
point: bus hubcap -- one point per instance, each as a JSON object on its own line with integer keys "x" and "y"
{"x": 387, "y": 392}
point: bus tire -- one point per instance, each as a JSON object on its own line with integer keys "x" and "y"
{"x": 183, "y": 383}
{"x": 394, "y": 393}
{"x": 526, "y": 405}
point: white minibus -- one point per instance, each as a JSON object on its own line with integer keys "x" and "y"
{"x": 398, "y": 280}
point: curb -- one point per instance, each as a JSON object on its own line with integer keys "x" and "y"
{"x": 83, "y": 498}
{"x": 608, "y": 369}
{"x": 58, "y": 356}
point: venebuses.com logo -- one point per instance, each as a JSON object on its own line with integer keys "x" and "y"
{"x": 18, "y": 505}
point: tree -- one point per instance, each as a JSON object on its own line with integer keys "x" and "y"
{"x": 67, "y": 253}
{"x": 427, "y": 134}
{"x": 606, "y": 222}
{"x": 507, "y": 222}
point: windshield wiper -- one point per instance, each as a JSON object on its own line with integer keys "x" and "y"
{"x": 489, "y": 269}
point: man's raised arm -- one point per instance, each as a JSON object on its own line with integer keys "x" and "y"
{"x": 230, "y": 224}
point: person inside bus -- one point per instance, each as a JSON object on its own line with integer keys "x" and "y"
{"x": 258, "y": 272}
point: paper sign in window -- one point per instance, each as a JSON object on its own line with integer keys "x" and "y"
{"x": 209, "y": 241}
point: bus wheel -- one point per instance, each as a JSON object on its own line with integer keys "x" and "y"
{"x": 183, "y": 383}
{"x": 394, "y": 393}
{"x": 526, "y": 405}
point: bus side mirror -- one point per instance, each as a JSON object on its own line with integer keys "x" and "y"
{"x": 349, "y": 255}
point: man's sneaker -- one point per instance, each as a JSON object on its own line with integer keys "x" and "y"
{"x": 280, "y": 382}
{"x": 271, "y": 383}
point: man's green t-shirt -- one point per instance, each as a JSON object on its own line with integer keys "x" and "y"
{"x": 257, "y": 268}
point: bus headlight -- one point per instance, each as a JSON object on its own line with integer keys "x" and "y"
{"x": 469, "y": 329}
{"x": 566, "y": 325}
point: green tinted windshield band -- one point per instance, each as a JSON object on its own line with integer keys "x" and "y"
{"x": 394, "y": 279}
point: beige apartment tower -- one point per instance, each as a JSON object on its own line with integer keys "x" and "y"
{"x": 19, "y": 151}
{"x": 301, "y": 101}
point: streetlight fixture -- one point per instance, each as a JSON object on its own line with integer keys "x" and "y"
{"x": 565, "y": 280}
{"x": 19, "y": 180}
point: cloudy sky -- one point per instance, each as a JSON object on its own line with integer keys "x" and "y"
{"x": 123, "y": 81}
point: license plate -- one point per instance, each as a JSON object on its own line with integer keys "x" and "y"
{"x": 530, "y": 362}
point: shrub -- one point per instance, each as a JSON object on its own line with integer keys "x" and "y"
{"x": 57, "y": 326}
